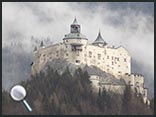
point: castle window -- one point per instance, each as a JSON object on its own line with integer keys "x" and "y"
{"x": 112, "y": 63}
{"x": 99, "y": 56}
{"x": 104, "y": 51}
{"x": 124, "y": 59}
{"x": 67, "y": 54}
{"x": 107, "y": 57}
{"x": 112, "y": 57}
{"x": 118, "y": 59}
{"x": 77, "y": 61}
{"x": 90, "y": 54}
{"x": 118, "y": 65}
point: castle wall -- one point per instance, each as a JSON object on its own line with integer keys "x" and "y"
{"x": 137, "y": 83}
{"x": 108, "y": 87}
{"x": 76, "y": 41}
{"x": 134, "y": 79}
{"x": 95, "y": 82}
{"x": 112, "y": 60}
{"x": 43, "y": 55}
{"x": 114, "y": 88}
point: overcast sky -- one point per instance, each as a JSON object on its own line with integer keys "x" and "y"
{"x": 127, "y": 24}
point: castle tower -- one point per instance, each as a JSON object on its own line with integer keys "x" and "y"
{"x": 75, "y": 27}
{"x": 99, "y": 40}
{"x": 75, "y": 43}
{"x": 75, "y": 36}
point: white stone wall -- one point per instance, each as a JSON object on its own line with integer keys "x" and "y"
{"x": 108, "y": 87}
{"x": 43, "y": 55}
{"x": 116, "y": 61}
{"x": 112, "y": 60}
{"x": 114, "y": 88}
{"x": 95, "y": 82}
{"x": 137, "y": 83}
{"x": 77, "y": 41}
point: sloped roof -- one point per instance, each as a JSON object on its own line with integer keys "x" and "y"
{"x": 99, "y": 39}
{"x": 105, "y": 78}
{"x": 75, "y": 21}
{"x": 75, "y": 35}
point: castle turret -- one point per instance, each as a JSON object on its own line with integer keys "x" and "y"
{"x": 99, "y": 40}
{"x": 75, "y": 36}
{"x": 75, "y": 27}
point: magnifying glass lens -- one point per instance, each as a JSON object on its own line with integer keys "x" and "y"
{"x": 18, "y": 93}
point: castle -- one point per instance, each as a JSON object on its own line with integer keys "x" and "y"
{"x": 76, "y": 50}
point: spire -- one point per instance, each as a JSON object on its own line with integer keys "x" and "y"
{"x": 99, "y": 39}
{"x": 75, "y": 21}
{"x": 99, "y": 36}
{"x": 75, "y": 27}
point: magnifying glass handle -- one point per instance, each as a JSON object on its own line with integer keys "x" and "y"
{"x": 27, "y": 105}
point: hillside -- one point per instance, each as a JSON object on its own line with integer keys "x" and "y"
{"x": 52, "y": 93}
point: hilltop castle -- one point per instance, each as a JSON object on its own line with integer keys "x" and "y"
{"x": 76, "y": 50}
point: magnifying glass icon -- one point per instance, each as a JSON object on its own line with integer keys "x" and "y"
{"x": 18, "y": 93}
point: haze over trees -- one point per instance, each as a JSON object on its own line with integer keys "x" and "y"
{"x": 56, "y": 94}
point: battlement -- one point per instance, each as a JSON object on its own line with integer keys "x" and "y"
{"x": 134, "y": 79}
{"x": 134, "y": 75}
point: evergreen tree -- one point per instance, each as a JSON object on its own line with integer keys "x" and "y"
{"x": 41, "y": 45}
{"x": 127, "y": 100}
{"x": 51, "y": 93}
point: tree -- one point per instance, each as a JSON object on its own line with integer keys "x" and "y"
{"x": 127, "y": 97}
{"x": 41, "y": 45}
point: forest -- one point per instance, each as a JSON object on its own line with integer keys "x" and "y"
{"x": 53, "y": 94}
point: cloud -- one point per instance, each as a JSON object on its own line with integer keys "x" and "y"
{"x": 128, "y": 24}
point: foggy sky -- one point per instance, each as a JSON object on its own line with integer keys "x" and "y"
{"x": 127, "y": 24}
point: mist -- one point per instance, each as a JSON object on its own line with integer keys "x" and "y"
{"x": 127, "y": 24}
